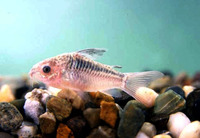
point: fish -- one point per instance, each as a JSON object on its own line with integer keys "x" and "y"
{"x": 80, "y": 72}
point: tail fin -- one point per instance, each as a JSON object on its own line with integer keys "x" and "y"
{"x": 133, "y": 81}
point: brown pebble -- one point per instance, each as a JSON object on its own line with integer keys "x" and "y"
{"x": 64, "y": 131}
{"x": 47, "y": 123}
{"x": 98, "y": 97}
{"x": 92, "y": 115}
{"x": 109, "y": 113}
{"x": 60, "y": 107}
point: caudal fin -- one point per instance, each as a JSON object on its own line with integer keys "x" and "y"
{"x": 133, "y": 81}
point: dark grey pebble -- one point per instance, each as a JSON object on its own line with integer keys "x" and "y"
{"x": 131, "y": 120}
{"x": 10, "y": 118}
{"x": 177, "y": 90}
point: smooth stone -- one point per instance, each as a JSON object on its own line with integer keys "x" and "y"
{"x": 120, "y": 110}
{"x": 33, "y": 109}
{"x": 191, "y": 131}
{"x": 27, "y": 130}
{"x": 6, "y": 94}
{"x": 19, "y": 104}
{"x": 182, "y": 79}
{"x": 162, "y": 136}
{"x": 47, "y": 123}
{"x": 120, "y": 96}
{"x": 102, "y": 132}
{"x": 168, "y": 102}
{"x": 78, "y": 125}
{"x": 149, "y": 129}
{"x": 177, "y": 122}
{"x": 10, "y": 117}
{"x": 161, "y": 83}
{"x": 147, "y": 96}
{"x": 177, "y": 90}
{"x": 160, "y": 121}
{"x": 193, "y": 105}
{"x": 5, "y": 135}
{"x": 92, "y": 115}
{"x": 196, "y": 77}
{"x": 109, "y": 113}
{"x": 131, "y": 120}
{"x": 188, "y": 89}
{"x": 98, "y": 97}
{"x": 60, "y": 107}
{"x": 141, "y": 135}
{"x": 64, "y": 131}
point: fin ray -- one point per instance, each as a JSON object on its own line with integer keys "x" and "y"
{"x": 92, "y": 53}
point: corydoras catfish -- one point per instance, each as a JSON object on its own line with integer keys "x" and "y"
{"x": 79, "y": 71}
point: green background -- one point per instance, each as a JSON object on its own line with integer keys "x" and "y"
{"x": 139, "y": 34}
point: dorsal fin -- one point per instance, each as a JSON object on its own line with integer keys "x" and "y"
{"x": 92, "y": 53}
{"x": 116, "y": 66}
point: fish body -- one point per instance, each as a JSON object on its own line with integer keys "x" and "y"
{"x": 78, "y": 71}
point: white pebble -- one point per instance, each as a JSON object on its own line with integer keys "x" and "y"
{"x": 27, "y": 130}
{"x": 141, "y": 135}
{"x": 147, "y": 96}
{"x": 191, "y": 131}
{"x": 188, "y": 89}
{"x": 177, "y": 122}
{"x": 33, "y": 109}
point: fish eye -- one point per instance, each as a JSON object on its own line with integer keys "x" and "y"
{"x": 46, "y": 69}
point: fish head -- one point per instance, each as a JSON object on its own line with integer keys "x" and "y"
{"x": 47, "y": 71}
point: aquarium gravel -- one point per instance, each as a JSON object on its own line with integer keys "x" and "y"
{"x": 39, "y": 111}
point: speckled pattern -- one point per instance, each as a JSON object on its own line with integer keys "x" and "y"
{"x": 10, "y": 117}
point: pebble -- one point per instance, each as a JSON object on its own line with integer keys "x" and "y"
{"x": 35, "y": 103}
{"x": 10, "y": 118}
{"x": 162, "y": 136}
{"x": 77, "y": 101}
{"x": 193, "y": 105}
{"x": 38, "y": 95}
{"x": 182, "y": 79}
{"x": 161, "y": 83}
{"x": 60, "y": 107}
{"x": 102, "y": 132}
{"x": 33, "y": 109}
{"x": 120, "y": 96}
{"x": 141, "y": 134}
{"x": 6, "y": 94}
{"x": 109, "y": 113}
{"x": 5, "y": 135}
{"x": 92, "y": 115}
{"x": 147, "y": 95}
{"x": 64, "y": 131}
{"x": 160, "y": 121}
{"x": 132, "y": 119}
{"x": 78, "y": 125}
{"x": 19, "y": 104}
{"x": 47, "y": 123}
{"x": 177, "y": 122}
{"x": 168, "y": 102}
{"x": 191, "y": 131}
{"x": 98, "y": 97}
{"x": 177, "y": 90}
{"x": 188, "y": 89}
{"x": 27, "y": 130}
{"x": 149, "y": 129}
